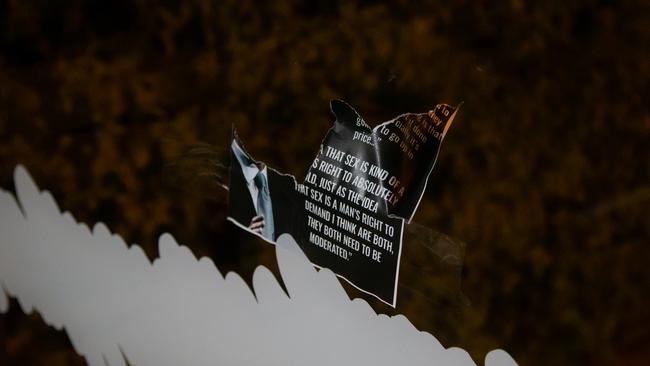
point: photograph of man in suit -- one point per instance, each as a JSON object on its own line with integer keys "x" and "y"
{"x": 260, "y": 199}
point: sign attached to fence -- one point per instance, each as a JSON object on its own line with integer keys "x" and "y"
{"x": 348, "y": 214}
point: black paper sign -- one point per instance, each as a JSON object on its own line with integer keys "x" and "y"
{"x": 348, "y": 215}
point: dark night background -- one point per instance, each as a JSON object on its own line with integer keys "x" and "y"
{"x": 544, "y": 175}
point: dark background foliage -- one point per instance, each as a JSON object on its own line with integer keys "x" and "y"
{"x": 544, "y": 175}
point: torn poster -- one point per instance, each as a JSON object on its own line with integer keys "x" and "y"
{"x": 348, "y": 214}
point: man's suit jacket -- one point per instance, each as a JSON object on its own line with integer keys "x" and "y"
{"x": 283, "y": 199}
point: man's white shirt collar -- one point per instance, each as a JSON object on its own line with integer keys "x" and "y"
{"x": 249, "y": 170}
{"x": 248, "y": 166}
